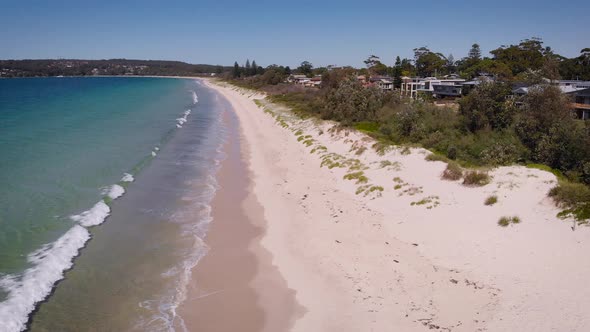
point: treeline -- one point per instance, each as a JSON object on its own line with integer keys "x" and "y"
{"x": 75, "y": 67}
{"x": 513, "y": 62}
{"x": 528, "y": 61}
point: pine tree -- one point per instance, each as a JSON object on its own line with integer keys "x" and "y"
{"x": 450, "y": 64}
{"x": 397, "y": 72}
{"x": 254, "y": 68}
{"x": 236, "y": 72}
{"x": 248, "y": 69}
{"x": 474, "y": 52}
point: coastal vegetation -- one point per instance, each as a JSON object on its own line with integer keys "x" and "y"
{"x": 506, "y": 221}
{"x": 476, "y": 178}
{"x": 491, "y": 200}
{"x": 490, "y": 127}
{"x": 453, "y": 172}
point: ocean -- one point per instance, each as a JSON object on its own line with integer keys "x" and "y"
{"x": 105, "y": 185}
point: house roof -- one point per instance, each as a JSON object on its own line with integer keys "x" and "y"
{"x": 564, "y": 89}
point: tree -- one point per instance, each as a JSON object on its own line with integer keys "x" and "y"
{"x": 450, "y": 65}
{"x": 486, "y": 107}
{"x": 372, "y": 60}
{"x": 397, "y": 72}
{"x": 474, "y": 52}
{"x": 350, "y": 102}
{"x": 407, "y": 68}
{"x": 546, "y": 125}
{"x": 528, "y": 54}
{"x": 247, "y": 69}
{"x": 427, "y": 62}
{"x": 305, "y": 68}
{"x": 236, "y": 71}
{"x": 288, "y": 70}
{"x": 254, "y": 69}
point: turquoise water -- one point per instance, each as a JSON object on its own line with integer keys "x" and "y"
{"x": 140, "y": 151}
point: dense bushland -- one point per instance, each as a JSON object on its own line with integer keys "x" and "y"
{"x": 490, "y": 128}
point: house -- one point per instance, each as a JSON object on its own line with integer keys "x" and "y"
{"x": 409, "y": 86}
{"x": 573, "y": 83}
{"x": 445, "y": 87}
{"x": 297, "y": 79}
{"x": 385, "y": 83}
{"x": 314, "y": 82}
{"x": 582, "y": 103}
{"x": 441, "y": 90}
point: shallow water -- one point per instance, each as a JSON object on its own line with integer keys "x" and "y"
{"x": 141, "y": 151}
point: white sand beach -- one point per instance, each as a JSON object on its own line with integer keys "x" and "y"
{"x": 426, "y": 256}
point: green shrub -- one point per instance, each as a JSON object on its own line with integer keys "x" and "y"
{"x": 358, "y": 176}
{"x": 568, "y": 194}
{"x": 506, "y": 221}
{"x": 476, "y": 179}
{"x": 491, "y": 200}
{"x": 574, "y": 198}
{"x": 452, "y": 152}
{"x": 453, "y": 172}
{"x": 367, "y": 126}
{"x": 381, "y": 148}
{"x": 361, "y": 150}
{"x": 436, "y": 157}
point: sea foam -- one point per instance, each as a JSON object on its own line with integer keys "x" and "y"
{"x": 115, "y": 191}
{"x": 195, "y": 98}
{"x": 127, "y": 178}
{"x": 95, "y": 216}
{"x": 36, "y": 283}
{"x": 182, "y": 120}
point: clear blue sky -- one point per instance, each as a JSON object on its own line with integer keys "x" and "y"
{"x": 282, "y": 32}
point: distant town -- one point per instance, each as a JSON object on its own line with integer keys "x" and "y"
{"x": 74, "y": 67}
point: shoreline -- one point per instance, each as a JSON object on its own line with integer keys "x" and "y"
{"x": 236, "y": 277}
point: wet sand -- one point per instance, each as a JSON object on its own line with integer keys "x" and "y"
{"x": 235, "y": 287}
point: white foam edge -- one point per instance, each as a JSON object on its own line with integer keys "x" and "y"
{"x": 95, "y": 216}
{"x": 127, "y": 178}
{"x": 37, "y": 282}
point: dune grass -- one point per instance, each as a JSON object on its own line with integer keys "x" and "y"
{"x": 358, "y": 176}
{"x": 506, "y": 221}
{"x": 453, "y": 172}
{"x": 491, "y": 200}
{"x": 476, "y": 179}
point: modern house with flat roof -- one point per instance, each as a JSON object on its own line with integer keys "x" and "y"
{"x": 573, "y": 83}
{"x": 431, "y": 85}
{"x": 582, "y": 103}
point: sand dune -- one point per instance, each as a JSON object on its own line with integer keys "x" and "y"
{"x": 362, "y": 255}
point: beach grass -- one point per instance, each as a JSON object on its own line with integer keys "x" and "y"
{"x": 491, "y": 200}
{"x": 476, "y": 179}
